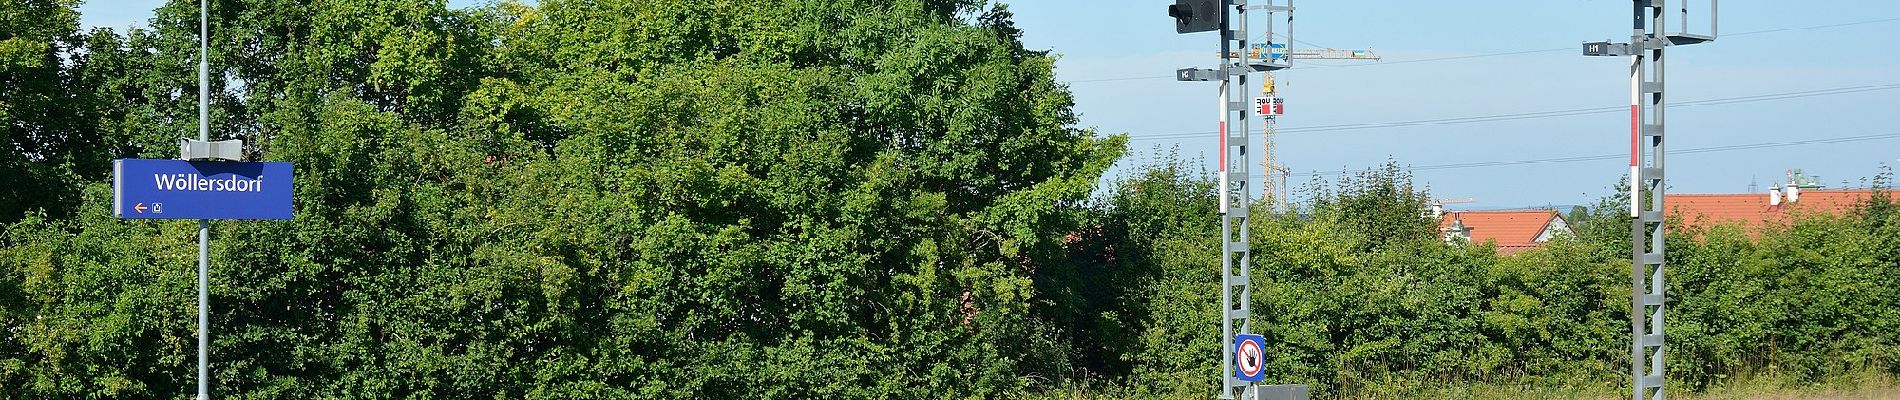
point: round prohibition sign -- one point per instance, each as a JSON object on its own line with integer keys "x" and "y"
{"x": 1248, "y": 357}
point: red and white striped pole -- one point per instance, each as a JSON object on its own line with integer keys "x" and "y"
{"x": 1636, "y": 134}
{"x": 1222, "y": 169}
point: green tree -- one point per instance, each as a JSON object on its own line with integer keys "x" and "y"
{"x": 43, "y": 139}
{"x": 585, "y": 200}
{"x": 1158, "y": 268}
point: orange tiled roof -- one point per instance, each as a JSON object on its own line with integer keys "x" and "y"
{"x": 1513, "y": 230}
{"x": 1751, "y": 210}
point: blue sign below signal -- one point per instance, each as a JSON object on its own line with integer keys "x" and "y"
{"x": 1250, "y": 357}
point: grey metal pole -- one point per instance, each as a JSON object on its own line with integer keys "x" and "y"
{"x": 1640, "y": 49}
{"x": 204, "y": 236}
{"x": 204, "y": 73}
{"x": 1639, "y": 229}
{"x": 1226, "y": 225}
{"x": 1658, "y": 194}
{"x": 1243, "y": 186}
{"x": 1648, "y": 39}
{"x": 204, "y": 226}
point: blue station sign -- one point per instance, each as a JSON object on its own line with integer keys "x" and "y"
{"x": 177, "y": 189}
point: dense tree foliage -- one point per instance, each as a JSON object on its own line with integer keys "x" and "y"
{"x": 576, "y": 199}
{"x": 786, "y": 199}
{"x": 1357, "y": 295}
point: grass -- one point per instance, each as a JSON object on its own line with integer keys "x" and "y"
{"x": 1857, "y": 386}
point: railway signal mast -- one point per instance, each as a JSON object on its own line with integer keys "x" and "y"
{"x": 1242, "y": 355}
{"x": 1645, "y": 52}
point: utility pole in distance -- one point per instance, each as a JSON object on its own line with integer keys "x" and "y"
{"x": 1645, "y": 50}
{"x": 1242, "y": 356}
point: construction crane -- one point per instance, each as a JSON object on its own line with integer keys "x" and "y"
{"x": 1270, "y": 105}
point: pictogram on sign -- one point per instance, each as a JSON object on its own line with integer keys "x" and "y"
{"x": 1249, "y": 357}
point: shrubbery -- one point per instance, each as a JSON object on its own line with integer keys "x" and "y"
{"x": 803, "y": 199}
{"x": 1357, "y": 295}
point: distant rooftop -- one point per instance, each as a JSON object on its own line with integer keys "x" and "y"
{"x": 1753, "y": 210}
{"x": 1512, "y": 230}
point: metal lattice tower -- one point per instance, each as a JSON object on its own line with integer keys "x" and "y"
{"x": 1645, "y": 50}
{"x": 1235, "y": 187}
{"x": 1232, "y": 174}
{"x": 1276, "y": 170}
{"x": 1236, "y": 253}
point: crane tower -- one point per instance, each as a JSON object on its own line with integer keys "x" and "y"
{"x": 1270, "y": 106}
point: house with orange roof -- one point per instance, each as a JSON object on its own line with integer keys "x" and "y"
{"x": 1753, "y": 211}
{"x": 1513, "y": 231}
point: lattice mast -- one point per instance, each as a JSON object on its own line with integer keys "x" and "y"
{"x": 1645, "y": 52}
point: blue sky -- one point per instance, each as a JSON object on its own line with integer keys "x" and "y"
{"x": 1122, "y": 39}
{"x": 1837, "y": 81}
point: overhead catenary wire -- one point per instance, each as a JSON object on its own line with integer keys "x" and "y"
{"x": 1501, "y": 54}
{"x": 1539, "y": 114}
{"x": 1624, "y": 156}
{"x": 1421, "y": 60}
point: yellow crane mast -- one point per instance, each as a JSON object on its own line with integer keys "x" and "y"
{"x": 1270, "y": 105}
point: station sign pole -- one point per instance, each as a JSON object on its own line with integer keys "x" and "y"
{"x": 207, "y": 182}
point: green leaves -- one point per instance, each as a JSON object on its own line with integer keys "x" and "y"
{"x": 788, "y": 199}
{"x": 1359, "y": 298}
{"x": 591, "y": 200}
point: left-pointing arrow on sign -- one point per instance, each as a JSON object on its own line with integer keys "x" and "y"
{"x": 140, "y": 207}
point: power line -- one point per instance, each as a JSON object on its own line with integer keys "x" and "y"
{"x": 1130, "y": 78}
{"x": 1570, "y": 159}
{"x": 1872, "y": 21}
{"x": 1499, "y": 54}
{"x": 1541, "y": 114}
{"x": 1509, "y": 53}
